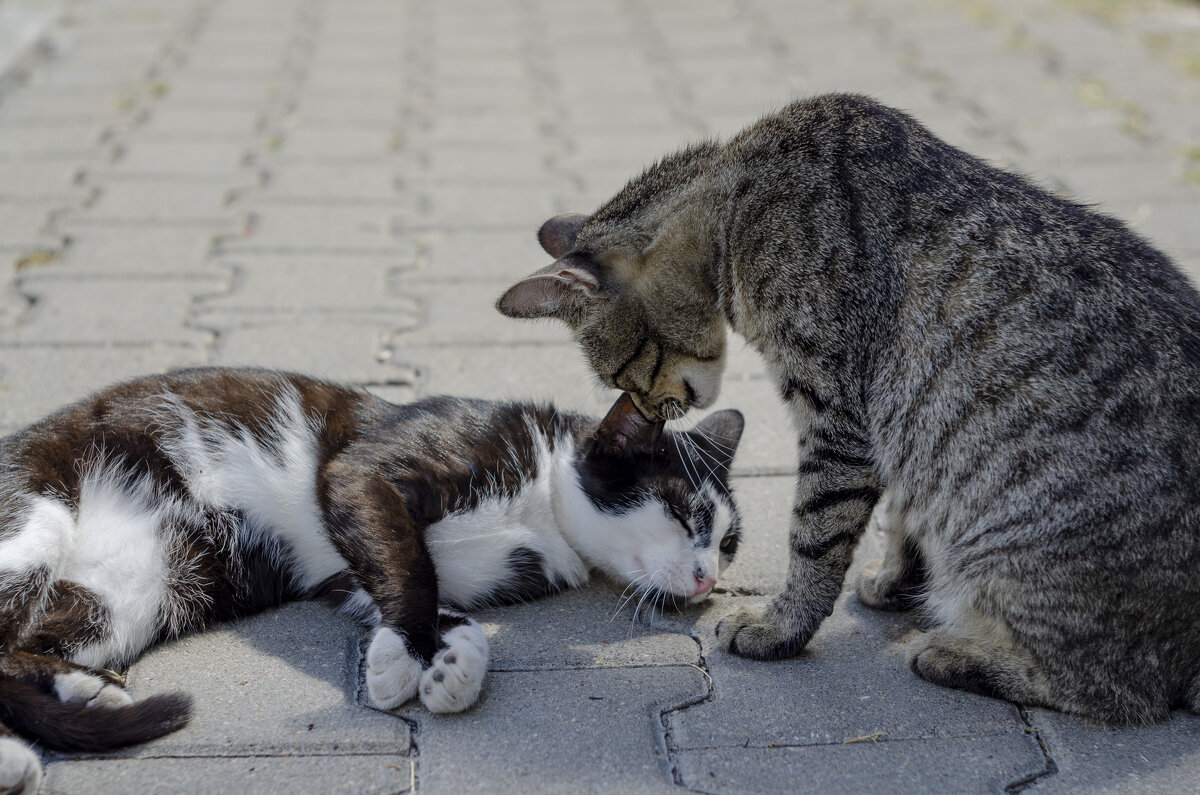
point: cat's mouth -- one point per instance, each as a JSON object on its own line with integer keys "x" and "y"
{"x": 668, "y": 409}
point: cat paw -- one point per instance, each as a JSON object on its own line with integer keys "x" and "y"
{"x": 392, "y": 672}
{"x": 749, "y": 632}
{"x": 20, "y": 768}
{"x": 91, "y": 690}
{"x": 455, "y": 678}
{"x": 873, "y": 593}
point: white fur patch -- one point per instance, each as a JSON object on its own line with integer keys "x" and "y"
{"x": 272, "y": 484}
{"x": 452, "y": 683}
{"x": 470, "y": 550}
{"x": 120, "y": 555}
{"x": 90, "y": 689}
{"x": 392, "y": 673}
{"x": 643, "y": 546}
{"x": 20, "y": 768}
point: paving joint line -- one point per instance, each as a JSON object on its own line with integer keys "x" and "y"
{"x": 668, "y": 712}
{"x": 1050, "y": 767}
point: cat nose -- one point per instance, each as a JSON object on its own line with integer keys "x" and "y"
{"x": 703, "y": 585}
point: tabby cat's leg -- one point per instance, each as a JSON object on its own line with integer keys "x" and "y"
{"x": 373, "y": 528}
{"x": 894, "y": 583}
{"x": 20, "y": 767}
{"x": 835, "y": 494}
{"x": 980, "y": 658}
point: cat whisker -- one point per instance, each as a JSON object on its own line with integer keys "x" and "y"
{"x": 623, "y": 600}
{"x": 683, "y": 458}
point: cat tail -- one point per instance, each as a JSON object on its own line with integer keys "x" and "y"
{"x": 37, "y": 715}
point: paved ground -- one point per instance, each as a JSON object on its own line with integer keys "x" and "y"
{"x": 345, "y": 186}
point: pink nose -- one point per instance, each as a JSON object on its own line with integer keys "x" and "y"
{"x": 703, "y": 585}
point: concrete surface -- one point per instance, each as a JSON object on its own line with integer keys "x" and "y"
{"x": 345, "y": 186}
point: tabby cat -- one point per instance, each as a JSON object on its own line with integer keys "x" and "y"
{"x": 162, "y": 505}
{"x": 1020, "y": 373}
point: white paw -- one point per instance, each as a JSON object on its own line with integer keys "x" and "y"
{"x": 455, "y": 678}
{"x": 92, "y": 690}
{"x": 20, "y": 768}
{"x": 392, "y": 673}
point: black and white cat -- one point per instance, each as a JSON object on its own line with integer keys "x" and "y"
{"x": 165, "y": 504}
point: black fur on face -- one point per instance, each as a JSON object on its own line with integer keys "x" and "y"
{"x": 629, "y": 459}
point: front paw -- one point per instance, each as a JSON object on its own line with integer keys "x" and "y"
{"x": 392, "y": 672}
{"x": 455, "y": 678}
{"x": 751, "y": 632}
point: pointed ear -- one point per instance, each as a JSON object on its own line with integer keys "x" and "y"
{"x": 558, "y": 290}
{"x": 558, "y": 234}
{"x": 624, "y": 429}
{"x": 719, "y": 434}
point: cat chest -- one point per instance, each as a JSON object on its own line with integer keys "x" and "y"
{"x": 505, "y": 548}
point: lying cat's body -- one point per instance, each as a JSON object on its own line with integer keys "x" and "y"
{"x": 162, "y": 505}
{"x": 1020, "y": 373}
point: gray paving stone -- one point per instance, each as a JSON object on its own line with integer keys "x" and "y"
{"x": 346, "y": 144}
{"x": 331, "y": 184}
{"x": 320, "y": 231}
{"x": 123, "y": 311}
{"x": 62, "y": 105}
{"x": 275, "y": 283}
{"x": 593, "y": 627}
{"x": 375, "y": 773}
{"x": 765, "y": 503}
{"x": 53, "y": 180}
{"x": 953, "y": 764}
{"x": 24, "y": 225}
{"x": 158, "y": 203}
{"x": 541, "y": 732}
{"x": 191, "y": 123}
{"x": 342, "y": 346}
{"x": 285, "y": 670}
{"x": 122, "y": 250}
{"x": 58, "y": 141}
{"x": 1162, "y": 758}
{"x": 181, "y": 158}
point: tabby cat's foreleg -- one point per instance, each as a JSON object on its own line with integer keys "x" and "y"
{"x": 835, "y": 494}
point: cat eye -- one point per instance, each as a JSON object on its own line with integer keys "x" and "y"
{"x": 727, "y": 543}
{"x": 679, "y": 517}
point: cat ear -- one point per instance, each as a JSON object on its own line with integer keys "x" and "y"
{"x": 559, "y": 290}
{"x": 558, "y": 234}
{"x": 625, "y": 430}
{"x": 719, "y": 434}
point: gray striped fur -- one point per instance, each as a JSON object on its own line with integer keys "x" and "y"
{"x": 1019, "y": 373}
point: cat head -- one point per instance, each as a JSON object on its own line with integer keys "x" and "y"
{"x": 659, "y": 513}
{"x": 634, "y": 283}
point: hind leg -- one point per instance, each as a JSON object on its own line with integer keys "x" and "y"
{"x": 980, "y": 660}
{"x": 72, "y": 683}
{"x": 20, "y": 767}
{"x": 894, "y": 583}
